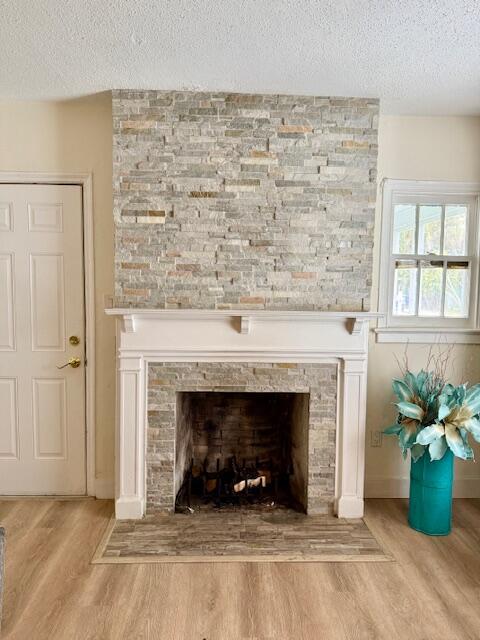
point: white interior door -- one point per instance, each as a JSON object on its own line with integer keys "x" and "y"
{"x": 42, "y": 407}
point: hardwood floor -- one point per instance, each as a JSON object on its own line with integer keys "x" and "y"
{"x": 431, "y": 592}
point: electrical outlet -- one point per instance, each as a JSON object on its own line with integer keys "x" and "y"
{"x": 376, "y": 438}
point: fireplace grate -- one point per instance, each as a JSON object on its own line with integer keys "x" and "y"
{"x": 233, "y": 483}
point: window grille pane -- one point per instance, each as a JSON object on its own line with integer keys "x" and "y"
{"x": 457, "y": 284}
{"x": 429, "y": 229}
{"x": 404, "y": 223}
{"x": 455, "y": 240}
{"x": 405, "y": 288}
{"x": 430, "y": 299}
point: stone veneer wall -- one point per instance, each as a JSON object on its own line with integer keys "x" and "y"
{"x": 166, "y": 379}
{"x": 243, "y": 201}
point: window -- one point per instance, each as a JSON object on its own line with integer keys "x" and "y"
{"x": 429, "y": 262}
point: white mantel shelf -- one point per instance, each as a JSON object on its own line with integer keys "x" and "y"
{"x": 354, "y": 320}
{"x": 193, "y": 335}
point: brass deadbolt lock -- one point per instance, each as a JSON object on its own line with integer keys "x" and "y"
{"x": 74, "y": 340}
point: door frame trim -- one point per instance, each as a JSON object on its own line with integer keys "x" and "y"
{"x": 85, "y": 181}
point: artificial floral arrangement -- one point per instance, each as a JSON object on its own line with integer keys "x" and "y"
{"x": 435, "y": 414}
{"x": 438, "y": 417}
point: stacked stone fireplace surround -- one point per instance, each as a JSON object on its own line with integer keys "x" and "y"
{"x": 243, "y": 202}
{"x": 168, "y": 379}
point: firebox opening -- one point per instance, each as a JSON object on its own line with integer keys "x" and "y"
{"x": 241, "y": 448}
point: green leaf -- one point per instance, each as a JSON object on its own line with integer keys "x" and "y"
{"x": 417, "y": 451}
{"x": 422, "y": 378}
{"x": 443, "y": 411}
{"x": 446, "y": 399}
{"x": 393, "y": 429}
{"x": 408, "y": 435}
{"x": 410, "y": 410}
{"x": 473, "y": 402}
{"x": 461, "y": 392}
{"x": 402, "y": 390}
{"x": 411, "y": 381}
{"x": 428, "y": 434}
{"x": 472, "y": 392}
{"x": 437, "y": 449}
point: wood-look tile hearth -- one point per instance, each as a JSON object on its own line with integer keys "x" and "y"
{"x": 257, "y": 535}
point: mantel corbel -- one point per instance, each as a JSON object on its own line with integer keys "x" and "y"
{"x": 245, "y": 324}
{"x": 355, "y": 325}
{"x": 129, "y": 323}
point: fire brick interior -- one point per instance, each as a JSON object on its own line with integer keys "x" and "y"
{"x": 267, "y": 431}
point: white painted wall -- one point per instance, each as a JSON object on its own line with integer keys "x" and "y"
{"x": 418, "y": 148}
{"x": 75, "y": 136}
{"x": 67, "y": 137}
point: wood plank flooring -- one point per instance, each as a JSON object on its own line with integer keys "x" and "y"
{"x": 53, "y": 592}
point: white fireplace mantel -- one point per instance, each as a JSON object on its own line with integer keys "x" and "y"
{"x": 170, "y": 335}
{"x": 353, "y": 320}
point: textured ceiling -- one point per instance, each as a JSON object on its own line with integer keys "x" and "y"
{"x": 417, "y": 56}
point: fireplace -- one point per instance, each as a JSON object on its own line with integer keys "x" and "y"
{"x": 310, "y": 368}
{"x": 241, "y": 449}
{"x": 244, "y": 242}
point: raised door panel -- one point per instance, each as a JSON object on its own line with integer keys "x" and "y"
{"x": 49, "y": 418}
{"x": 45, "y": 218}
{"x": 47, "y": 302}
{"x": 7, "y": 319}
{"x": 6, "y": 217}
{"x": 9, "y": 419}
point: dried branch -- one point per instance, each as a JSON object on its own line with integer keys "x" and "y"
{"x": 437, "y": 363}
{"x": 403, "y": 365}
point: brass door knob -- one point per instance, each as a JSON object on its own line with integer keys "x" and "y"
{"x": 73, "y": 362}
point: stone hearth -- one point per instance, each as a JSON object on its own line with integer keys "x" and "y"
{"x": 233, "y": 535}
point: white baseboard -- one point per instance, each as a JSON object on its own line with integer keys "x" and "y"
{"x": 388, "y": 487}
{"x": 104, "y": 488}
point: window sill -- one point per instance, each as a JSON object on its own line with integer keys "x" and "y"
{"x": 422, "y": 335}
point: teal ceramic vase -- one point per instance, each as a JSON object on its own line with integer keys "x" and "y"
{"x": 431, "y": 483}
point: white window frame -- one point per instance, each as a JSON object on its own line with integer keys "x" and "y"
{"x": 396, "y": 329}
